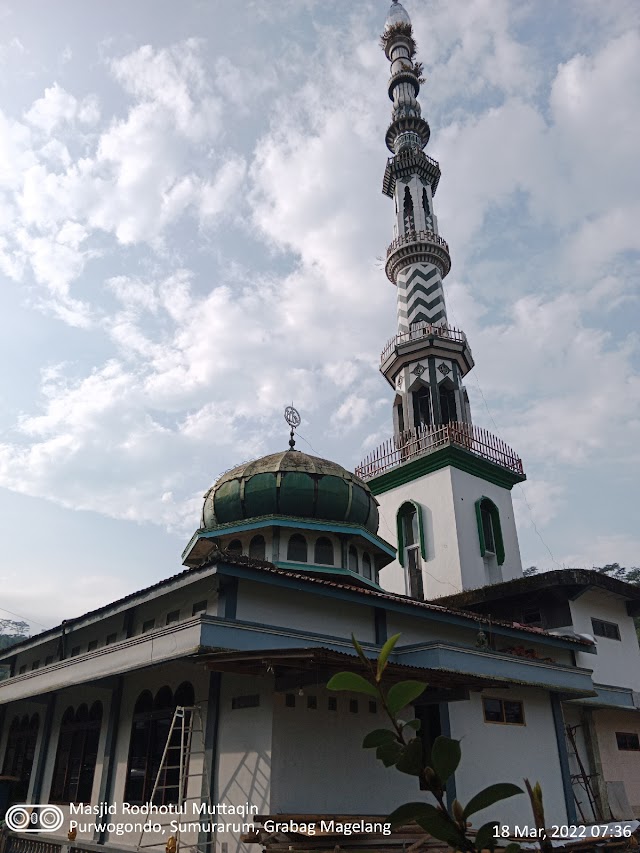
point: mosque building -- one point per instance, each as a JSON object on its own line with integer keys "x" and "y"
{"x": 539, "y": 677}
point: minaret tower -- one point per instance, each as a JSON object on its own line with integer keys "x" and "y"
{"x": 443, "y": 485}
{"x": 427, "y": 359}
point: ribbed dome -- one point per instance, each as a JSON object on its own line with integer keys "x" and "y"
{"x": 290, "y": 483}
{"x": 397, "y": 15}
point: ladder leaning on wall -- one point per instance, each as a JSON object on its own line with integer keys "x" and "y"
{"x": 185, "y": 741}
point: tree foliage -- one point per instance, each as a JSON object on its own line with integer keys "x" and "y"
{"x": 12, "y": 632}
{"x": 400, "y": 746}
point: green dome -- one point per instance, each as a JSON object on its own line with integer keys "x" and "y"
{"x": 290, "y": 483}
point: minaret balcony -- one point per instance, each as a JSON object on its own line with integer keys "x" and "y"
{"x": 410, "y": 161}
{"x": 417, "y": 247}
{"x": 422, "y": 341}
{"x": 415, "y": 443}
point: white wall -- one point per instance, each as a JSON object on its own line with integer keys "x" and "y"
{"x": 441, "y": 573}
{"x": 493, "y": 752}
{"x": 467, "y": 490}
{"x": 454, "y": 562}
{"x": 319, "y": 765}
{"x": 272, "y": 605}
{"x": 618, "y": 661}
{"x": 244, "y": 751}
{"x": 619, "y": 765}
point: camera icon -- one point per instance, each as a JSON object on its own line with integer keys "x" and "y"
{"x": 34, "y": 818}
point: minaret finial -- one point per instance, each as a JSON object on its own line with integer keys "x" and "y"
{"x": 292, "y": 417}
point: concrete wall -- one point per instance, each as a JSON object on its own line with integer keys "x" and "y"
{"x": 454, "y": 561}
{"x": 441, "y": 572}
{"x": 270, "y": 605}
{"x": 476, "y": 570}
{"x": 493, "y": 752}
{"x": 243, "y": 771}
{"x": 618, "y": 661}
{"x": 181, "y": 599}
{"x": 319, "y": 764}
{"x": 619, "y": 765}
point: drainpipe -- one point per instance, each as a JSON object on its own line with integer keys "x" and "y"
{"x": 109, "y": 759}
{"x": 43, "y": 752}
{"x": 563, "y": 756}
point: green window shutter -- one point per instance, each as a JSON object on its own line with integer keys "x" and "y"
{"x": 497, "y": 528}
{"x": 400, "y": 536}
{"x": 423, "y": 547}
{"x": 483, "y": 549}
{"x": 497, "y": 533}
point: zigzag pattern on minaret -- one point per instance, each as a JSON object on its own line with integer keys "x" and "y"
{"x": 415, "y": 285}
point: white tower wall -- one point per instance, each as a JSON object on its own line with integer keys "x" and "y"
{"x": 454, "y": 562}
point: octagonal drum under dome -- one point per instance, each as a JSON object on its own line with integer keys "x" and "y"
{"x": 290, "y": 483}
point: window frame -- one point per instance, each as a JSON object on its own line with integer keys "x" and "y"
{"x": 485, "y": 503}
{"x": 77, "y": 754}
{"x": 352, "y": 554}
{"x": 294, "y": 540}
{"x": 402, "y": 510}
{"x": 20, "y": 751}
{"x": 323, "y": 542}
{"x": 503, "y": 704}
{"x": 606, "y": 625}
{"x": 635, "y": 739}
{"x": 258, "y": 543}
{"x": 367, "y": 563}
{"x": 153, "y": 722}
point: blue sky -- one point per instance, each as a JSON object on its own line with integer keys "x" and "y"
{"x": 191, "y": 227}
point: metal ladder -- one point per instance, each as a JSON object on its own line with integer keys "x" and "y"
{"x": 184, "y": 741}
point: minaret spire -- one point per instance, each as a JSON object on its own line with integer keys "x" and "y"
{"x": 427, "y": 359}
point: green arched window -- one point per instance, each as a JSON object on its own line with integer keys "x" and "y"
{"x": 489, "y": 529}
{"x": 410, "y": 530}
{"x": 411, "y": 545}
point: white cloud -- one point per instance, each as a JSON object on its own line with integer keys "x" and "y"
{"x": 57, "y": 106}
{"x": 193, "y": 353}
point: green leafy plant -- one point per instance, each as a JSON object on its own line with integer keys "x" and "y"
{"x": 401, "y": 747}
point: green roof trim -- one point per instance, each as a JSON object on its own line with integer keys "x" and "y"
{"x": 456, "y": 457}
{"x": 273, "y": 520}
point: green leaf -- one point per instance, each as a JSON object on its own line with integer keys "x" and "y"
{"x": 404, "y": 692}
{"x": 385, "y": 651}
{"x": 485, "y": 836}
{"x": 445, "y": 757}
{"x": 436, "y": 824}
{"x": 408, "y": 812}
{"x": 410, "y": 761}
{"x": 359, "y": 650}
{"x": 412, "y": 724}
{"x": 389, "y": 752}
{"x": 512, "y": 848}
{"x": 491, "y": 795}
{"x": 377, "y": 737}
{"x": 353, "y": 682}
